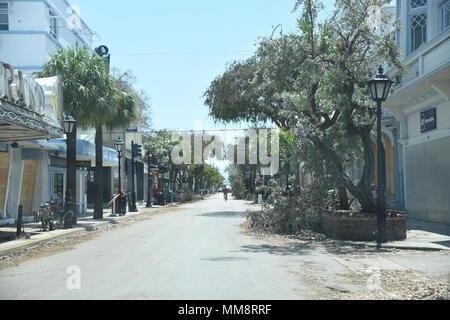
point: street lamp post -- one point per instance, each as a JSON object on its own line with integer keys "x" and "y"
{"x": 69, "y": 127}
{"x": 136, "y": 152}
{"x": 119, "y": 145}
{"x": 150, "y": 160}
{"x": 163, "y": 164}
{"x": 379, "y": 90}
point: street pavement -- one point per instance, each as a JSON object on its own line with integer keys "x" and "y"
{"x": 194, "y": 253}
{"x": 200, "y": 252}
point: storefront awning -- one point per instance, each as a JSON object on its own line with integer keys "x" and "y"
{"x": 86, "y": 152}
{"x": 20, "y": 124}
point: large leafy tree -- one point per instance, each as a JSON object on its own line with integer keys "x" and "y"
{"x": 93, "y": 98}
{"x": 314, "y": 81}
{"x": 199, "y": 176}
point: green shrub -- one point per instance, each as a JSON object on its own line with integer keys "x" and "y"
{"x": 186, "y": 197}
{"x": 238, "y": 189}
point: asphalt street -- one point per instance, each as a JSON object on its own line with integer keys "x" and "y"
{"x": 198, "y": 252}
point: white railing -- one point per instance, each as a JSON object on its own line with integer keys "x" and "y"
{"x": 113, "y": 202}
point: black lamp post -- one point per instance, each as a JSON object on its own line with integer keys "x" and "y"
{"x": 379, "y": 90}
{"x": 136, "y": 152}
{"x": 150, "y": 159}
{"x": 119, "y": 145}
{"x": 163, "y": 164}
{"x": 69, "y": 126}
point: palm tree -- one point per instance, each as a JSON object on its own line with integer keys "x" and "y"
{"x": 91, "y": 97}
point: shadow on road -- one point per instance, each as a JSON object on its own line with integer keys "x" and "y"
{"x": 338, "y": 247}
{"x": 224, "y": 215}
{"x": 288, "y": 250}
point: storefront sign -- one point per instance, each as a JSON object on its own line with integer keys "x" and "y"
{"x": 32, "y": 154}
{"x": 41, "y": 96}
{"x": 428, "y": 120}
{"x": 132, "y": 130}
{"x": 84, "y": 164}
{"x": 52, "y": 108}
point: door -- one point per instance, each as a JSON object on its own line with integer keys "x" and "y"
{"x": 28, "y": 185}
{"x": 4, "y": 172}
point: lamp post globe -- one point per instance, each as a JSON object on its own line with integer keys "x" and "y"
{"x": 68, "y": 124}
{"x": 380, "y": 86}
{"x": 379, "y": 89}
{"x": 118, "y": 145}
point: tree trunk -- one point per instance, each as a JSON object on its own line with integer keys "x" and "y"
{"x": 367, "y": 199}
{"x": 72, "y": 170}
{"x": 297, "y": 172}
{"x": 343, "y": 198}
{"x": 98, "y": 204}
{"x": 360, "y": 192}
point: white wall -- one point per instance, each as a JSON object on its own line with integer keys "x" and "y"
{"x": 25, "y": 16}
{"x": 443, "y": 117}
{"x": 28, "y": 42}
{"x": 23, "y": 49}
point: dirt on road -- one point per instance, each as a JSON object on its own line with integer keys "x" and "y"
{"x": 366, "y": 283}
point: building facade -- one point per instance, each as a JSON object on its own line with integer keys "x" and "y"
{"x": 32, "y": 30}
{"x": 34, "y": 171}
{"x": 28, "y": 110}
{"x": 420, "y": 129}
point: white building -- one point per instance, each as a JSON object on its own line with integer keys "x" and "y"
{"x": 30, "y": 31}
{"x": 420, "y": 103}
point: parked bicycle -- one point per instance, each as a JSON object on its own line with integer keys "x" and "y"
{"x": 52, "y": 216}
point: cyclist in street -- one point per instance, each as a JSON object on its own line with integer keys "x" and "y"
{"x": 225, "y": 193}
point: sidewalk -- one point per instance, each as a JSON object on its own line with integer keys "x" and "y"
{"x": 422, "y": 236}
{"x": 9, "y": 243}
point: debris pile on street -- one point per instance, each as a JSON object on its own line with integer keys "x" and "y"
{"x": 399, "y": 285}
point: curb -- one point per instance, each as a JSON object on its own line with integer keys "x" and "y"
{"x": 398, "y": 247}
{"x": 72, "y": 232}
{"x": 411, "y": 248}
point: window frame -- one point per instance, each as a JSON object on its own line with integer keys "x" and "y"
{"x": 7, "y": 16}
{"x": 411, "y": 13}
{"x": 441, "y": 6}
{"x": 53, "y": 26}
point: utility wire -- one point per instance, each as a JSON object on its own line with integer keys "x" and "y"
{"x": 180, "y": 53}
{"x": 189, "y": 131}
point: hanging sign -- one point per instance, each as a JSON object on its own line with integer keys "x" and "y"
{"x": 428, "y": 120}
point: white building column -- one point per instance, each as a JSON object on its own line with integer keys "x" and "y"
{"x": 15, "y": 183}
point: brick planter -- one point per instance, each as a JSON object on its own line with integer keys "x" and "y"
{"x": 361, "y": 227}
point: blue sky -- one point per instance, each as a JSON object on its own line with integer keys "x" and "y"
{"x": 176, "y": 48}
